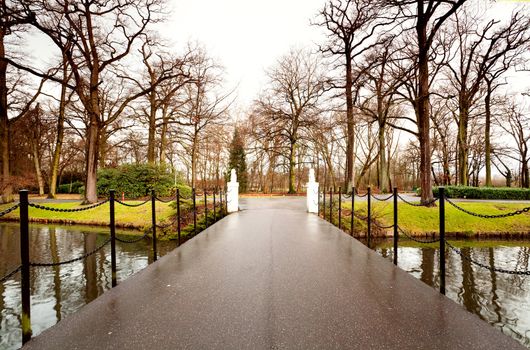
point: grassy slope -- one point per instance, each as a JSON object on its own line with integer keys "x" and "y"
{"x": 139, "y": 217}
{"x": 422, "y": 220}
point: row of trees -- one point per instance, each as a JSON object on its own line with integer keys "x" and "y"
{"x": 415, "y": 96}
{"x": 401, "y": 93}
{"x": 113, "y": 93}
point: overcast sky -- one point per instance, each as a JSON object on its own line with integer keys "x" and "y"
{"x": 245, "y": 36}
{"x": 248, "y": 36}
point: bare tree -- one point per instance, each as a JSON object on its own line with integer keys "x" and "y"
{"x": 352, "y": 26}
{"x": 477, "y": 54}
{"x": 517, "y": 125}
{"x": 164, "y": 75}
{"x": 97, "y": 48}
{"x": 291, "y": 101}
{"x": 429, "y": 16}
{"x": 202, "y": 106}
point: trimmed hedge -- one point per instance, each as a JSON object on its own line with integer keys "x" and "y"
{"x": 485, "y": 192}
{"x": 137, "y": 180}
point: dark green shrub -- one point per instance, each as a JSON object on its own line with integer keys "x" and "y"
{"x": 73, "y": 187}
{"x": 137, "y": 180}
{"x": 485, "y": 192}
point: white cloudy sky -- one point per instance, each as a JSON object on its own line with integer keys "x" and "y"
{"x": 246, "y": 36}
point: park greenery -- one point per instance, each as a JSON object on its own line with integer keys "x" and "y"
{"x": 421, "y": 221}
{"x": 137, "y": 180}
{"x": 126, "y": 217}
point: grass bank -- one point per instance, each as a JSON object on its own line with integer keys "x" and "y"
{"x": 422, "y": 221}
{"x": 126, "y": 217}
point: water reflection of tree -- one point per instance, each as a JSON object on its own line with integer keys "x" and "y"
{"x": 468, "y": 293}
{"x": 56, "y": 274}
{"x": 497, "y": 309}
{"x": 427, "y": 266}
{"x": 103, "y": 277}
{"x": 521, "y": 265}
{"x": 89, "y": 267}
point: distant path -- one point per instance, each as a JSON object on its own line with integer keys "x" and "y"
{"x": 272, "y": 277}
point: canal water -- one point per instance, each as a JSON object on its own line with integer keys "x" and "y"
{"x": 498, "y": 298}
{"x": 62, "y": 290}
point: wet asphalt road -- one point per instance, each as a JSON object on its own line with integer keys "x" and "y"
{"x": 272, "y": 277}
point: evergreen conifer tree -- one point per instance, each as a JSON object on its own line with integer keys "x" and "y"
{"x": 237, "y": 161}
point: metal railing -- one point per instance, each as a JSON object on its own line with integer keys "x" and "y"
{"x": 219, "y": 211}
{"x": 399, "y": 231}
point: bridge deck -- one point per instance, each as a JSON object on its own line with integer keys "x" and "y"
{"x": 272, "y": 277}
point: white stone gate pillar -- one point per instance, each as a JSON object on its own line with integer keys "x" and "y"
{"x": 312, "y": 193}
{"x": 233, "y": 193}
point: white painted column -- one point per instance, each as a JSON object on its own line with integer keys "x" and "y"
{"x": 233, "y": 193}
{"x": 312, "y": 193}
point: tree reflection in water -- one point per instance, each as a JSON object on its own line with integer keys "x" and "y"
{"x": 61, "y": 290}
{"x": 497, "y": 298}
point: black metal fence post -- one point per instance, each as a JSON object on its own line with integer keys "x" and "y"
{"x": 352, "y": 209}
{"x": 153, "y": 219}
{"x": 178, "y": 215}
{"x": 194, "y": 212}
{"x": 25, "y": 268}
{"x": 206, "y": 208}
{"x": 331, "y": 204}
{"x": 112, "y": 238}
{"x": 442, "y": 239}
{"x": 396, "y": 233}
{"x": 340, "y": 208}
{"x": 369, "y": 196}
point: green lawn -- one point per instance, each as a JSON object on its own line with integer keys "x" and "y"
{"x": 421, "y": 220}
{"x": 127, "y": 217}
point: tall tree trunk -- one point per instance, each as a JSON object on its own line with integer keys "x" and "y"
{"x": 36, "y": 162}
{"x": 462, "y": 146}
{"x": 350, "y": 169}
{"x": 163, "y": 134}
{"x": 525, "y": 171}
{"x": 487, "y": 133}
{"x": 60, "y": 135}
{"x": 382, "y": 170}
{"x": 423, "y": 108}
{"x": 292, "y": 161}
{"x": 7, "y": 187}
{"x": 194, "y": 162}
{"x": 91, "y": 193}
{"x": 151, "y": 140}
{"x": 103, "y": 147}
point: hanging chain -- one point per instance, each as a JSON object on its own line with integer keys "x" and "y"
{"x": 486, "y": 216}
{"x": 62, "y": 210}
{"x": 415, "y": 239}
{"x": 474, "y": 262}
{"x": 9, "y": 275}
{"x": 418, "y": 204}
{"x": 92, "y": 252}
{"x": 9, "y": 210}
{"x": 133, "y": 205}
